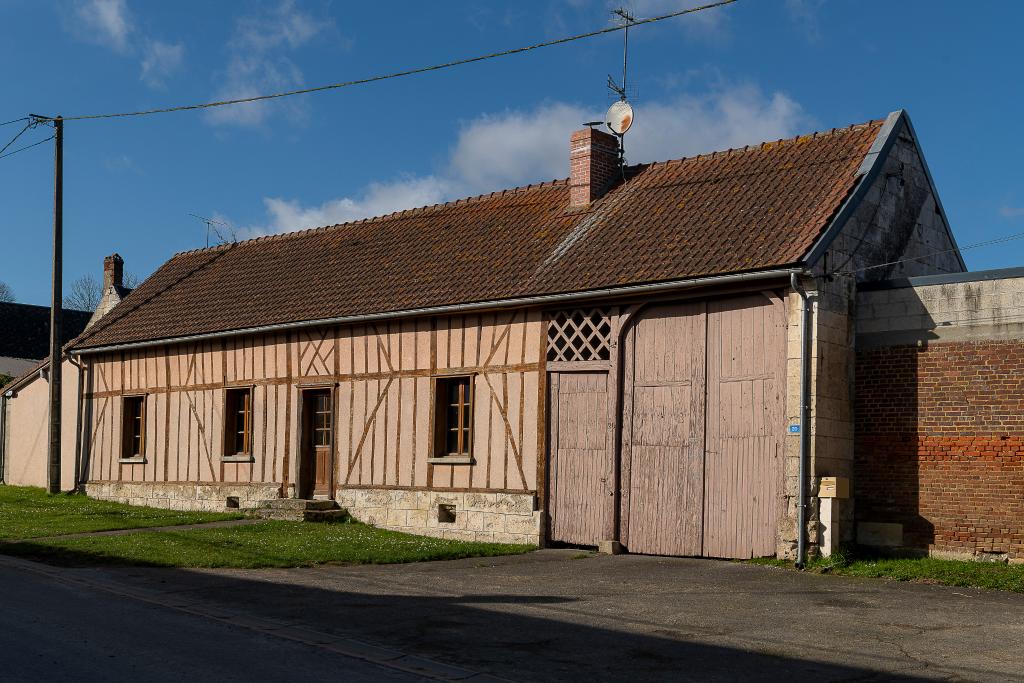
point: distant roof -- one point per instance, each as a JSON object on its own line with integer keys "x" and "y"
{"x": 25, "y": 329}
{"x": 741, "y": 210}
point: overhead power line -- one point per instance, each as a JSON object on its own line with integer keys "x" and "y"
{"x": 20, "y": 132}
{"x": 22, "y": 149}
{"x": 7, "y": 123}
{"x": 408, "y": 72}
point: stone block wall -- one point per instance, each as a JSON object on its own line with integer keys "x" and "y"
{"x": 183, "y": 496}
{"x": 831, "y": 415}
{"x": 478, "y": 516}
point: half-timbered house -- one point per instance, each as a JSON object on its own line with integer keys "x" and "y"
{"x": 655, "y": 357}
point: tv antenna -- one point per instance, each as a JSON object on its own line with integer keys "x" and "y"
{"x": 212, "y": 226}
{"x": 619, "y": 117}
{"x": 627, "y": 20}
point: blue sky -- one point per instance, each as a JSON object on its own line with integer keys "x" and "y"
{"x": 758, "y": 69}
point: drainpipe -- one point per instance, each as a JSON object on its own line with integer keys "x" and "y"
{"x": 80, "y": 400}
{"x": 805, "y": 413}
{"x": 3, "y": 437}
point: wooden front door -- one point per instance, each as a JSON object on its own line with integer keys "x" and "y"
{"x": 580, "y": 475}
{"x": 317, "y": 467}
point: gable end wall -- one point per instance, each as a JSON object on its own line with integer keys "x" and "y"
{"x": 898, "y": 218}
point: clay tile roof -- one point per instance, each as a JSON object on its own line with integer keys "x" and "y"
{"x": 749, "y": 209}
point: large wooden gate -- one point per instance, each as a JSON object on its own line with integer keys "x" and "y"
{"x": 580, "y": 468}
{"x": 703, "y": 421}
{"x": 702, "y": 429}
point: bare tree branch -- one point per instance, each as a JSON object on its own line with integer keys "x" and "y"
{"x": 84, "y": 295}
{"x": 6, "y": 293}
{"x": 86, "y": 292}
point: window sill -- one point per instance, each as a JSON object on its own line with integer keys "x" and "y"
{"x": 452, "y": 460}
{"x": 132, "y": 461}
{"x": 238, "y": 458}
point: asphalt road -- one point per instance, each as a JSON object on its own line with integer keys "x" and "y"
{"x": 549, "y": 616}
{"x": 50, "y": 630}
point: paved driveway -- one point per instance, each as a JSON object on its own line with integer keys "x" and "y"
{"x": 551, "y": 616}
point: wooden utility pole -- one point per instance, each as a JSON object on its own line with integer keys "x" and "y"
{"x": 56, "y": 311}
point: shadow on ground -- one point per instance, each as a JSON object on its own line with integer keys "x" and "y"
{"x": 498, "y": 616}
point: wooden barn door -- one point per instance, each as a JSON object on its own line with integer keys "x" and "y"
{"x": 663, "y": 431}
{"x": 580, "y": 480}
{"x": 745, "y": 422}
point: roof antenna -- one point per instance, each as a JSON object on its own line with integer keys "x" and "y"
{"x": 211, "y": 225}
{"x": 619, "y": 116}
{"x": 627, "y": 20}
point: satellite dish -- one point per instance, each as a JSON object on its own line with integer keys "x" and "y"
{"x": 619, "y": 117}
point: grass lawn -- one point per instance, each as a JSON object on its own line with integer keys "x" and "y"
{"x": 27, "y": 512}
{"x": 992, "y": 575}
{"x": 265, "y": 544}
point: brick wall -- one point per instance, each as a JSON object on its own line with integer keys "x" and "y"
{"x": 593, "y": 165}
{"x": 939, "y": 444}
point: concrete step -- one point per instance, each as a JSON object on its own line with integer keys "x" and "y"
{"x": 303, "y": 515}
{"x": 298, "y": 510}
{"x": 340, "y": 515}
{"x": 297, "y": 504}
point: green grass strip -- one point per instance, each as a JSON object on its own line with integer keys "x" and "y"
{"x": 965, "y": 573}
{"x": 27, "y": 512}
{"x": 266, "y": 544}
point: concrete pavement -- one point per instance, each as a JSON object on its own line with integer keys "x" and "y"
{"x": 551, "y": 616}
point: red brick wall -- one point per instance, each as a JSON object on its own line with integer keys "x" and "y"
{"x": 940, "y": 444}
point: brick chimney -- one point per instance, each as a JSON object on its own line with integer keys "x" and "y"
{"x": 593, "y": 166}
{"x": 113, "y": 272}
{"x": 113, "y": 287}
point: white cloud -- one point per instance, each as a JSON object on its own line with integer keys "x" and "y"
{"x": 120, "y": 163}
{"x": 376, "y": 200}
{"x": 1011, "y": 212}
{"x": 104, "y": 22}
{"x": 531, "y": 146}
{"x": 805, "y": 14}
{"x": 160, "y": 60}
{"x": 727, "y": 118}
{"x": 517, "y": 147}
{"x": 257, "y": 63}
{"x": 109, "y": 23}
{"x": 282, "y": 25}
{"x": 250, "y": 75}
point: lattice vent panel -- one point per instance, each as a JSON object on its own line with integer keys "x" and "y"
{"x": 580, "y": 335}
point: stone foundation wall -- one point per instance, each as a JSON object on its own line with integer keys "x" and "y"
{"x": 205, "y": 497}
{"x": 486, "y": 516}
